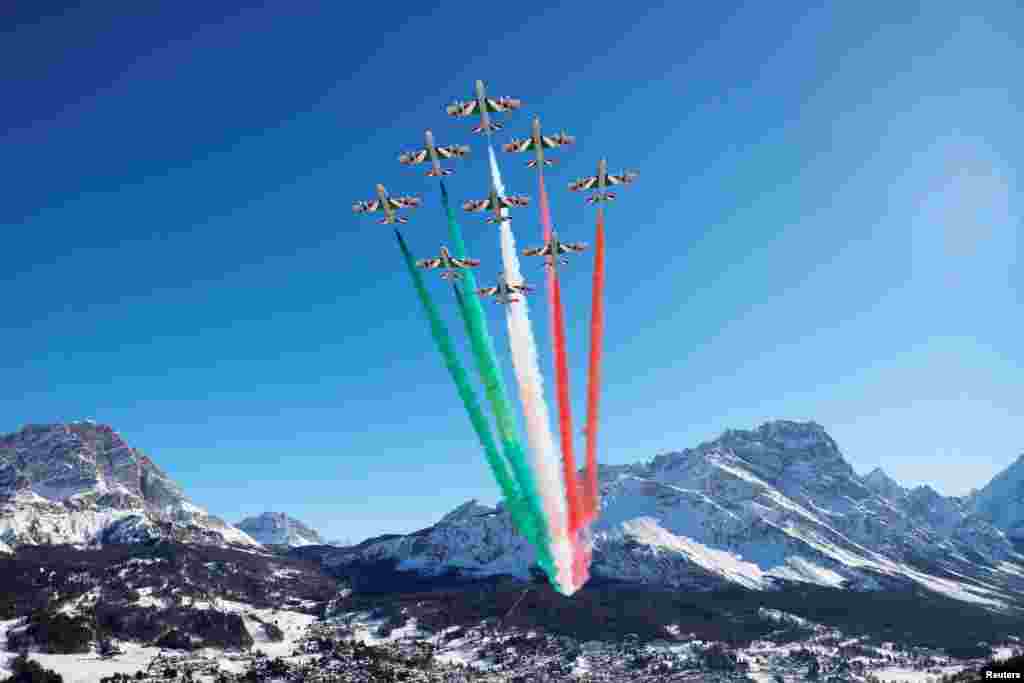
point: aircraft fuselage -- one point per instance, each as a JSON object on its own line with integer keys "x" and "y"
{"x": 435, "y": 162}
{"x": 481, "y": 103}
{"x": 538, "y": 143}
{"x": 384, "y": 206}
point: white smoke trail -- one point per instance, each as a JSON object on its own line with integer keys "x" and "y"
{"x": 545, "y": 460}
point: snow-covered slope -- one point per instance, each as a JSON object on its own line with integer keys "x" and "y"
{"x": 277, "y": 528}
{"x": 753, "y": 508}
{"x": 80, "y": 483}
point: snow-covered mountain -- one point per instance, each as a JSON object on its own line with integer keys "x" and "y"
{"x": 756, "y": 508}
{"x": 80, "y": 483}
{"x": 277, "y": 528}
{"x": 1002, "y": 500}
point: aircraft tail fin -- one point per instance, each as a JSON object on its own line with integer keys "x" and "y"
{"x": 494, "y": 126}
{"x": 601, "y": 197}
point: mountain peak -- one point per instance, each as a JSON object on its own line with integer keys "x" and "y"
{"x": 277, "y": 528}
{"x": 787, "y": 431}
{"x": 466, "y": 511}
{"x": 882, "y": 484}
{"x": 786, "y": 434}
{"x": 79, "y": 482}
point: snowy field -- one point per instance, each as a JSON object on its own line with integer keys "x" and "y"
{"x": 89, "y": 667}
{"x": 765, "y": 659}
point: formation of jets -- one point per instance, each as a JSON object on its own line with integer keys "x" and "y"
{"x": 554, "y": 250}
{"x": 538, "y": 143}
{"x": 449, "y": 263}
{"x": 388, "y": 204}
{"x": 505, "y": 292}
{"x": 484, "y": 106}
{"x": 496, "y": 204}
{"x": 434, "y": 154}
{"x": 600, "y": 180}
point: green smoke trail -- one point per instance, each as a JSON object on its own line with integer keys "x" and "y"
{"x": 494, "y": 386}
{"x": 509, "y": 489}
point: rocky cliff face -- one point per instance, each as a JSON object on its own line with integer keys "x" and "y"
{"x": 756, "y": 508}
{"x": 80, "y": 483}
{"x": 1002, "y": 500}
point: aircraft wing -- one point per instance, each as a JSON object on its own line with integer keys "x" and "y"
{"x": 461, "y": 109}
{"x": 502, "y": 104}
{"x": 572, "y": 246}
{"x": 465, "y": 262}
{"x": 513, "y": 201}
{"x": 552, "y": 141}
{"x": 521, "y": 288}
{"x": 404, "y": 202}
{"x": 487, "y": 291}
{"x": 521, "y": 145}
{"x": 452, "y": 151}
{"x": 539, "y": 251}
{"x": 477, "y": 205}
{"x": 584, "y": 183}
{"x": 429, "y": 263}
{"x": 417, "y": 157}
{"x": 626, "y": 177}
{"x": 366, "y": 207}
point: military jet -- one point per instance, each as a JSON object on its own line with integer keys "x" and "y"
{"x": 388, "y": 204}
{"x": 451, "y": 264}
{"x": 539, "y": 143}
{"x": 496, "y": 204}
{"x": 434, "y": 154}
{"x": 503, "y": 292}
{"x": 600, "y": 180}
{"x": 554, "y": 249}
{"x": 484, "y": 106}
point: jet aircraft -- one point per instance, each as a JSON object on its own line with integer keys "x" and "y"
{"x": 484, "y": 106}
{"x": 434, "y": 154}
{"x": 538, "y": 143}
{"x": 554, "y": 249}
{"x": 503, "y": 292}
{"x": 496, "y": 204}
{"x": 388, "y": 204}
{"x": 600, "y": 180}
{"x": 451, "y": 264}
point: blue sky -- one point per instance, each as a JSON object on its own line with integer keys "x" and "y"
{"x": 827, "y": 227}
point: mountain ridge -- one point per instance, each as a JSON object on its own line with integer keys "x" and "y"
{"x": 754, "y": 508}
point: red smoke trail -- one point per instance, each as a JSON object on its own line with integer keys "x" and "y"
{"x": 590, "y": 493}
{"x": 572, "y": 492}
{"x": 582, "y": 554}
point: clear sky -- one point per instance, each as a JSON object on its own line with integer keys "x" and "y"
{"x": 826, "y": 226}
